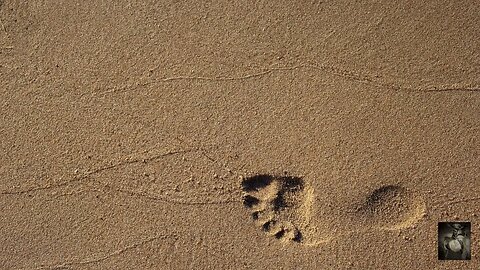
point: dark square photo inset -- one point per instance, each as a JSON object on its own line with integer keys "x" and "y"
{"x": 454, "y": 240}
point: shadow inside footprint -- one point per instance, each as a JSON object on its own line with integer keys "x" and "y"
{"x": 389, "y": 207}
{"x": 274, "y": 201}
{"x": 256, "y": 182}
{"x": 382, "y": 197}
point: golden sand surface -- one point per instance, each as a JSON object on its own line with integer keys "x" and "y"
{"x": 237, "y": 135}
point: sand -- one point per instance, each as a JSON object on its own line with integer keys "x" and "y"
{"x": 259, "y": 135}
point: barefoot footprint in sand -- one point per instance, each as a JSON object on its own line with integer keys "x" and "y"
{"x": 282, "y": 207}
{"x": 274, "y": 202}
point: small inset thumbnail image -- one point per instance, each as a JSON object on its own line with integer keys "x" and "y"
{"x": 454, "y": 240}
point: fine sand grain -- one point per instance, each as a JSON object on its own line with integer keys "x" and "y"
{"x": 237, "y": 135}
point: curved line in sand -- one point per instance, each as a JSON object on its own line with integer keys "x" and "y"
{"x": 343, "y": 73}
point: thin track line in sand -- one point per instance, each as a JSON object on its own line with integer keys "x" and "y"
{"x": 328, "y": 69}
{"x": 452, "y": 201}
{"x": 105, "y": 186}
{"x": 93, "y": 172}
{"x": 3, "y": 26}
{"x": 166, "y": 199}
{"x": 100, "y": 258}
